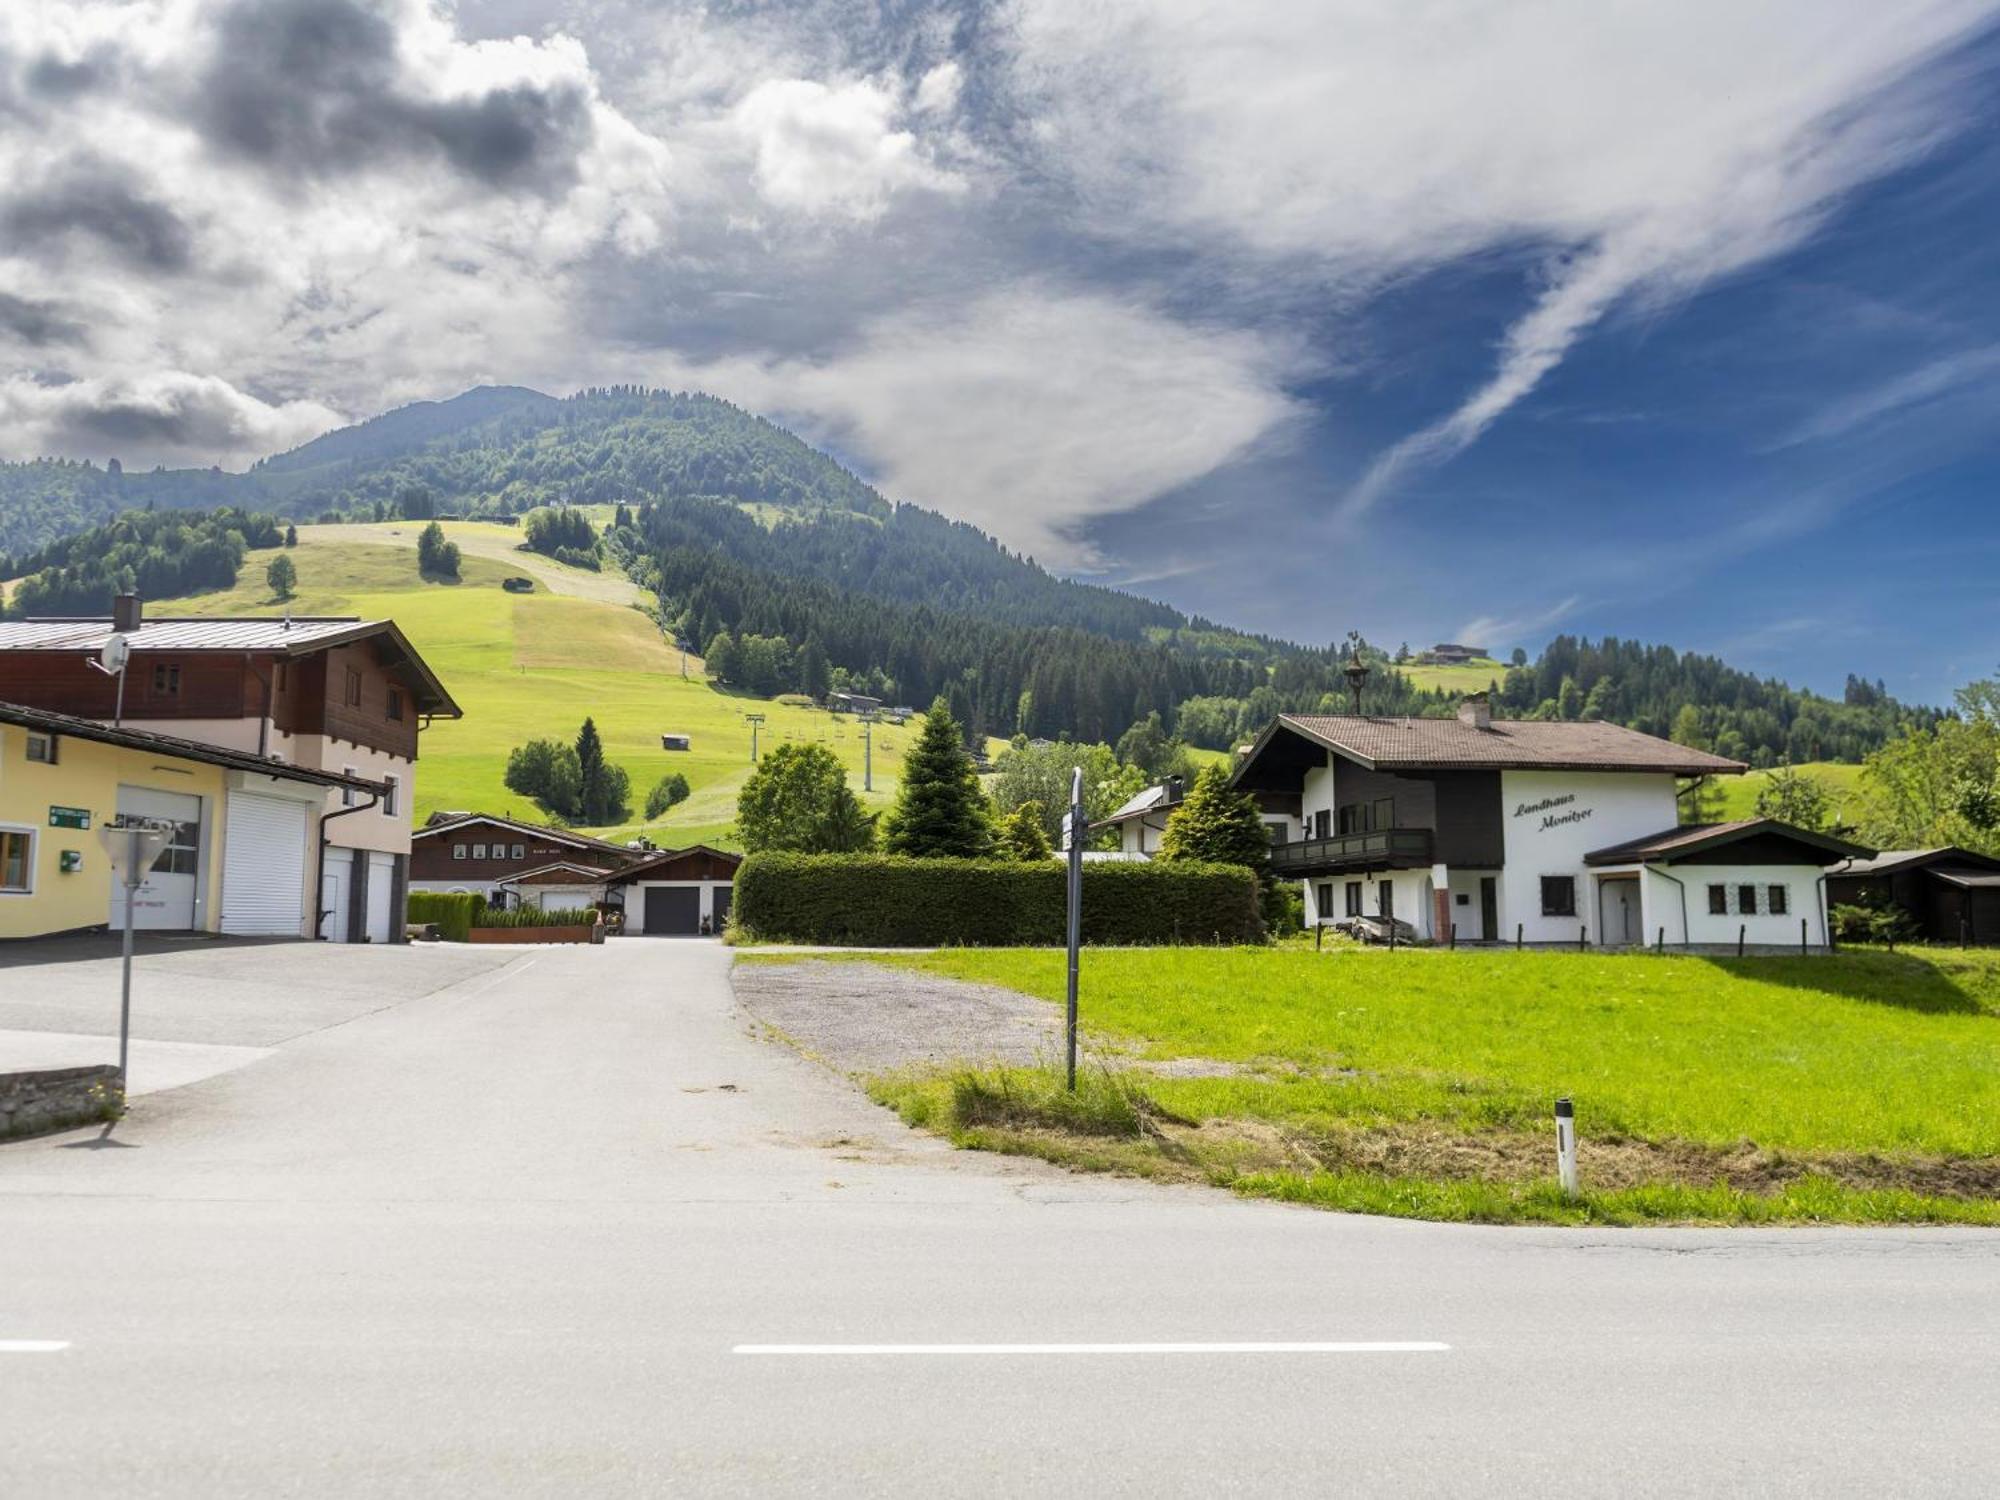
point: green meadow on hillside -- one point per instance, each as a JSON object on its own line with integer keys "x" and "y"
{"x": 526, "y": 666}
{"x": 1475, "y": 677}
{"x": 1739, "y": 793}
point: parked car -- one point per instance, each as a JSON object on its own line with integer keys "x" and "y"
{"x": 1376, "y": 929}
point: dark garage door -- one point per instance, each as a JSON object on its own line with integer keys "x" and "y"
{"x": 673, "y": 910}
{"x": 721, "y": 906}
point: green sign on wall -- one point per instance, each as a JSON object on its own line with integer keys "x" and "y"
{"x": 69, "y": 817}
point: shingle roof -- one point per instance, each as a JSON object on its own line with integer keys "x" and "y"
{"x": 43, "y": 720}
{"x": 666, "y": 857}
{"x": 553, "y": 873}
{"x": 1396, "y": 744}
{"x": 1691, "y": 838}
{"x": 1898, "y": 859}
{"x": 293, "y": 636}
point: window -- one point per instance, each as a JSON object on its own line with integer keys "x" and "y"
{"x": 1558, "y": 895}
{"x": 479, "y": 851}
{"x": 182, "y": 856}
{"x": 353, "y": 688}
{"x": 1385, "y": 898}
{"x": 1746, "y": 900}
{"x": 392, "y": 799}
{"x": 1322, "y": 823}
{"x": 17, "y": 862}
{"x": 42, "y": 749}
{"x": 458, "y": 851}
{"x": 395, "y": 704}
{"x": 167, "y": 678}
{"x": 347, "y": 797}
{"x": 1718, "y": 901}
{"x": 1354, "y": 898}
{"x": 1384, "y": 814}
{"x": 1323, "y": 900}
{"x": 1276, "y": 830}
{"x": 520, "y": 851}
{"x": 1779, "y": 900}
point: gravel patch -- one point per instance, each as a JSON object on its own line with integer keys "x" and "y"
{"x": 864, "y": 1018}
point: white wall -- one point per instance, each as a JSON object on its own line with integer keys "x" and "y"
{"x": 1801, "y": 881}
{"x": 1141, "y": 835}
{"x": 635, "y": 899}
{"x": 1551, "y": 819}
{"x": 1317, "y": 792}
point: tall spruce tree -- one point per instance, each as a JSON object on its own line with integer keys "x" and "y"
{"x": 1217, "y": 825}
{"x": 940, "y": 813}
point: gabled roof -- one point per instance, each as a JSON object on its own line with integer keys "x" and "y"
{"x": 553, "y": 873}
{"x": 1704, "y": 838}
{"x": 568, "y": 836}
{"x": 655, "y": 863}
{"x": 1384, "y": 743}
{"x": 1891, "y": 860}
{"x": 69, "y": 726}
{"x": 1154, "y": 799}
{"x": 284, "y": 635}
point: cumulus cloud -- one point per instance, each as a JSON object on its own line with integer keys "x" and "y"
{"x": 37, "y": 322}
{"x": 103, "y": 207}
{"x": 835, "y": 150}
{"x": 1647, "y": 150}
{"x": 1033, "y": 410}
{"x": 191, "y": 419}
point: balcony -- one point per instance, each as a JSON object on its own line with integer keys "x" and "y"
{"x": 1383, "y": 849}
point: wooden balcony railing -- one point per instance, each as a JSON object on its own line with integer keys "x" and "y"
{"x": 1402, "y": 848}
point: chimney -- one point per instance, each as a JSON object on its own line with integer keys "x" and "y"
{"x": 1176, "y": 788}
{"x": 125, "y": 613}
{"x": 1476, "y": 711}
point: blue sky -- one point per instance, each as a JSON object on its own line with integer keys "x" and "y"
{"x": 1441, "y": 320}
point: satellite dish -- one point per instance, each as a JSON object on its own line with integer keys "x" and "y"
{"x": 117, "y": 651}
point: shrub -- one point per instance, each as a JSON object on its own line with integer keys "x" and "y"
{"x": 896, "y": 901}
{"x": 452, "y": 911}
{"x": 534, "y": 916}
{"x": 669, "y": 791}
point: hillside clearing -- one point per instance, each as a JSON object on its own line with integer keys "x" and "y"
{"x": 527, "y": 666}
{"x": 1474, "y": 677}
{"x": 1861, "y": 1088}
{"x": 1739, "y": 793}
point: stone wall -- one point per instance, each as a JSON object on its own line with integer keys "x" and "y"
{"x": 58, "y": 1098}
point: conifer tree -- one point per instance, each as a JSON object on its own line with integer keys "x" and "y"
{"x": 940, "y": 813}
{"x": 1217, "y": 825}
{"x": 1021, "y": 836}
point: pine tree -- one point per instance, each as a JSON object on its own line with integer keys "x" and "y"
{"x": 815, "y": 672}
{"x": 1021, "y": 836}
{"x": 940, "y": 813}
{"x": 1218, "y": 825}
{"x": 601, "y": 796}
{"x": 291, "y": 536}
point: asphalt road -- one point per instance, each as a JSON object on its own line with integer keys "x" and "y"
{"x": 505, "y": 1237}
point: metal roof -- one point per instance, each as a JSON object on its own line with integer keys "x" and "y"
{"x": 1152, "y": 799}
{"x": 1890, "y": 860}
{"x": 40, "y": 719}
{"x": 290, "y": 635}
{"x": 1412, "y": 744}
{"x": 568, "y": 836}
{"x": 1692, "y": 838}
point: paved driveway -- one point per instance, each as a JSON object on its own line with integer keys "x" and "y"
{"x": 508, "y": 1236}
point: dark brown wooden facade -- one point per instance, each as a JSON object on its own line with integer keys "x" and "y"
{"x": 479, "y": 851}
{"x": 698, "y": 863}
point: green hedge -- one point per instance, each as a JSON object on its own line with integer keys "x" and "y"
{"x": 534, "y": 916}
{"x": 892, "y": 901}
{"x": 452, "y": 911}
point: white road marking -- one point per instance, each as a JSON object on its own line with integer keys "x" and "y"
{"x": 33, "y": 1346}
{"x": 1404, "y": 1346}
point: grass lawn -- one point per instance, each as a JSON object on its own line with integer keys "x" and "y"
{"x": 1739, "y": 793}
{"x": 1859, "y": 1088}
{"x": 526, "y": 666}
{"x": 1474, "y": 677}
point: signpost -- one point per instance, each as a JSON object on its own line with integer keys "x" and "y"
{"x": 131, "y": 844}
{"x": 1075, "y": 826}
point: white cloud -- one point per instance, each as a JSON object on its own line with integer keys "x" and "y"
{"x": 1031, "y": 411}
{"x": 937, "y": 90}
{"x": 1648, "y": 149}
{"x": 1929, "y": 382}
{"x": 170, "y": 415}
{"x": 834, "y": 150}
{"x": 1500, "y": 632}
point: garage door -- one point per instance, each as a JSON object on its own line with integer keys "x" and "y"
{"x": 166, "y": 899}
{"x": 673, "y": 910}
{"x": 381, "y": 885}
{"x": 264, "y": 866}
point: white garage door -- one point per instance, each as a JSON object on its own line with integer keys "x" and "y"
{"x": 264, "y": 866}
{"x": 381, "y": 885}
{"x": 166, "y": 899}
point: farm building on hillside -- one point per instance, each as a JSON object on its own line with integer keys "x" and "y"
{"x": 1488, "y": 830}
{"x": 678, "y": 893}
{"x": 1451, "y": 654}
{"x": 852, "y": 703}
{"x": 1949, "y": 895}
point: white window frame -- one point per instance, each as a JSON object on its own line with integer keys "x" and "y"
{"x": 33, "y": 836}
{"x": 520, "y": 851}
{"x": 1777, "y": 899}
{"x": 347, "y": 792}
{"x": 458, "y": 851}
{"x": 392, "y": 800}
{"x": 44, "y": 739}
{"x": 479, "y": 851}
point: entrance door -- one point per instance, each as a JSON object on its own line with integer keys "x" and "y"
{"x": 722, "y": 893}
{"x": 381, "y": 885}
{"x": 336, "y": 881}
{"x": 166, "y": 900}
{"x": 1489, "y": 908}
{"x": 673, "y": 910}
{"x": 1618, "y": 911}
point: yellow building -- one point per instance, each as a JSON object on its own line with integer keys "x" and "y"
{"x": 244, "y": 856}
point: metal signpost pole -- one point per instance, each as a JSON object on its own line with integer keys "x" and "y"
{"x": 132, "y": 879}
{"x": 1077, "y": 825}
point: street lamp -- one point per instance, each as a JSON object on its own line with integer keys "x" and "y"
{"x": 132, "y": 844}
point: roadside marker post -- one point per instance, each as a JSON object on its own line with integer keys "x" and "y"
{"x": 132, "y": 845}
{"x": 1566, "y": 1146}
{"x": 1075, "y": 826}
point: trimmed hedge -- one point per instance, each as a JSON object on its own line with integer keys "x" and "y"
{"x": 891, "y": 901}
{"x": 534, "y": 916}
{"x": 452, "y": 911}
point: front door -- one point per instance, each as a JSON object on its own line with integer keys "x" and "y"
{"x": 1618, "y": 911}
{"x": 165, "y": 900}
{"x": 335, "y": 882}
{"x": 1489, "y": 908}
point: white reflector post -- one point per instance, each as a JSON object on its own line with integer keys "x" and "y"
{"x": 1566, "y": 1146}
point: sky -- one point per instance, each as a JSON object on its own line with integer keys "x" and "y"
{"x": 1430, "y": 318}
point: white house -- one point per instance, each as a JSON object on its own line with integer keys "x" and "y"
{"x": 1143, "y": 818}
{"x": 677, "y": 893}
{"x": 1496, "y": 830}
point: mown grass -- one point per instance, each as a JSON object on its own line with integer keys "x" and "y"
{"x": 1739, "y": 793}
{"x": 525, "y": 666}
{"x": 1860, "y": 1088}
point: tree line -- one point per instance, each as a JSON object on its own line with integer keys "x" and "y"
{"x": 160, "y": 554}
